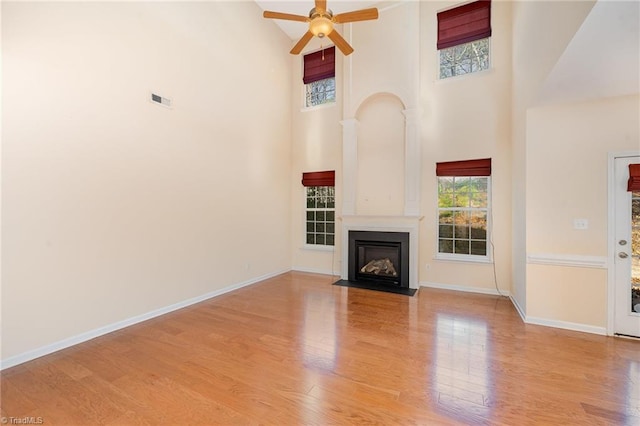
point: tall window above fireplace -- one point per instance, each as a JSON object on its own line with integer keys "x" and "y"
{"x": 464, "y": 209}
{"x": 320, "y": 199}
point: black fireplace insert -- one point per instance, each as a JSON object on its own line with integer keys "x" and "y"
{"x": 381, "y": 257}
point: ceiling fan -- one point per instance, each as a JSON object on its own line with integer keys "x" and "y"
{"x": 321, "y": 21}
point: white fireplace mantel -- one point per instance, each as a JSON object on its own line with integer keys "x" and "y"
{"x": 410, "y": 224}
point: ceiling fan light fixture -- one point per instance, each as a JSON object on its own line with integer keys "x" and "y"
{"x": 321, "y": 26}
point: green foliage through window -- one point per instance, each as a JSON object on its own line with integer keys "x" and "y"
{"x": 320, "y": 220}
{"x": 463, "y": 206}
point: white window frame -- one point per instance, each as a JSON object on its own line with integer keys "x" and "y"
{"x": 479, "y": 72}
{"x": 474, "y": 258}
{"x": 318, "y": 247}
{"x": 319, "y": 106}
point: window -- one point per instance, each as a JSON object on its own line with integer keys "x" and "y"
{"x": 321, "y": 215}
{"x": 320, "y": 227}
{"x": 320, "y": 92}
{"x": 463, "y": 38}
{"x": 320, "y": 77}
{"x": 463, "y": 209}
{"x": 464, "y": 58}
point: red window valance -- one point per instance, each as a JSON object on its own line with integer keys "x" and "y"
{"x": 480, "y": 167}
{"x": 634, "y": 178}
{"x": 464, "y": 24}
{"x": 319, "y": 65}
{"x": 326, "y": 178}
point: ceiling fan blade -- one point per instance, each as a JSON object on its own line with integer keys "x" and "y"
{"x": 357, "y": 15}
{"x": 302, "y": 43}
{"x": 342, "y": 44}
{"x": 285, "y": 16}
{"x": 321, "y": 5}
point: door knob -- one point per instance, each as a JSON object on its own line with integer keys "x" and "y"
{"x": 622, "y": 242}
{"x": 623, "y": 255}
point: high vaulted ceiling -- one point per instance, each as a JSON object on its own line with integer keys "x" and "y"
{"x": 602, "y": 59}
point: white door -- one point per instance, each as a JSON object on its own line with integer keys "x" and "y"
{"x": 627, "y": 251}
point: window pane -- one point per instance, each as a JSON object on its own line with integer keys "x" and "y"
{"x": 464, "y": 58}
{"x": 320, "y": 92}
{"x": 310, "y": 239}
{"x": 462, "y": 231}
{"x": 479, "y": 248}
{"x": 311, "y": 215}
{"x": 329, "y": 240}
{"x": 330, "y": 216}
{"x": 446, "y": 231}
{"x": 445, "y": 184}
{"x": 319, "y": 227}
{"x": 478, "y": 222}
{"x": 310, "y": 227}
{"x": 445, "y": 246}
{"x": 446, "y": 216}
{"x": 462, "y": 246}
{"x": 461, "y": 184}
{"x": 478, "y": 199}
{"x": 320, "y": 216}
{"x": 311, "y": 202}
{"x": 331, "y": 228}
{"x": 461, "y": 199}
{"x": 445, "y": 200}
{"x": 461, "y": 218}
{"x": 320, "y": 239}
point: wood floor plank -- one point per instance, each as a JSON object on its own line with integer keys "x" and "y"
{"x": 295, "y": 349}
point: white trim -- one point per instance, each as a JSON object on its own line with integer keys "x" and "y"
{"x": 465, "y": 258}
{"x": 518, "y": 308}
{"x": 92, "y": 334}
{"x": 611, "y": 238}
{"x": 466, "y": 289}
{"x": 316, "y": 107}
{"x": 316, "y": 271}
{"x": 585, "y": 328}
{"x": 570, "y": 260}
{"x": 318, "y": 247}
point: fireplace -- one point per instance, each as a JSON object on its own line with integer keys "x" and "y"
{"x": 381, "y": 257}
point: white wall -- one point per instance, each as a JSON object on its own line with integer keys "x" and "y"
{"x": 467, "y": 117}
{"x": 113, "y": 206}
{"x": 541, "y": 32}
{"x": 567, "y": 160}
{"x": 316, "y": 146}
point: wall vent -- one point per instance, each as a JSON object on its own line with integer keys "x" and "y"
{"x": 157, "y": 99}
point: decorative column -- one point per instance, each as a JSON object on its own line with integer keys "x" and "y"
{"x": 349, "y": 165}
{"x": 412, "y": 161}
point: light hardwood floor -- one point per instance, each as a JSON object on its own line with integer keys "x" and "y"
{"x": 296, "y": 350}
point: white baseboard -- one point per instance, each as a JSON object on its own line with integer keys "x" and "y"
{"x": 567, "y": 325}
{"x": 315, "y": 271}
{"x": 467, "y": 289}
{"x": 92, "y": 334}
{"x": 518, "y": 308}
{"x": 527, "y": 319}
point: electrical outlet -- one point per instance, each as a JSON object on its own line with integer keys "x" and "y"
{"x": 580, "y": 224}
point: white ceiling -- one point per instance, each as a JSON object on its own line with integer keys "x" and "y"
{"x": 295, "y": 30}
{"x": 602, "y": 59}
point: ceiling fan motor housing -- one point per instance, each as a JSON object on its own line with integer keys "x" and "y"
{"x": 321, "y": 22}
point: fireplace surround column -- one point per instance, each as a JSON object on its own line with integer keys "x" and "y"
{"x": 412, "y": 160}
{"x": 349, "y": 165}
